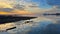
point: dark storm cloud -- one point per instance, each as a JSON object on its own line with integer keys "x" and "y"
{"x": 6, "y": 9}
{"x": 53, "y": 2}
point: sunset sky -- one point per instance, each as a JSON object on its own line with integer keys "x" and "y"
{"x": 28, "y": 6}
{"x": 34, "y": 8}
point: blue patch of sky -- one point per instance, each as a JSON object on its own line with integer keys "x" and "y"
{"x": 42, "y": 4}
{"x": 53, "y": 2}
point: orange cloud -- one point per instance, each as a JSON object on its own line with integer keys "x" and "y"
{"x": 4, "y": 13}
{"x": 22, "y": 12}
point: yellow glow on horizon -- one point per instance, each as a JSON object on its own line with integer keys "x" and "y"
{"x": 22, "y": 12}
{"x": 16, "y": 12}
{"x": 4, "y": 13}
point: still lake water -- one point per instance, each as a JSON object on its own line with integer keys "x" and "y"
{"x": 36, "y": 28}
